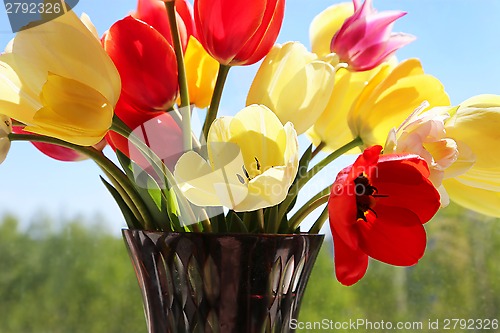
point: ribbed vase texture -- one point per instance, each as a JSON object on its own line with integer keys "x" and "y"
{"x": 241, "y": 283}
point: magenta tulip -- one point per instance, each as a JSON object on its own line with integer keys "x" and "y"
{"x": 365, "y": 39}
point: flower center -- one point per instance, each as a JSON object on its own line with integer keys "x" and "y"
{"x": 365, "y": 196}
{"x": 247, "y": 176}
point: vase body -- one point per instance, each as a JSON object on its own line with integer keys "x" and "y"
{"x": 201, "y": 282}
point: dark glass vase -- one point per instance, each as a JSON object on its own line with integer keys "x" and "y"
{"x": 201, "y": 282}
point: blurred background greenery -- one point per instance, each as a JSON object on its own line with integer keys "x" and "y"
{"x": 76, "y": 277}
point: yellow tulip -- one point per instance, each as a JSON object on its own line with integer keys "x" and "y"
{"x": 253, "y": 160}
{"x": 474, "y": 198}
{"x": 294, "y": 84}
{"x": 331, "y": 129}
{"x": 5, "y": 130}
{"x": 201, "y": 72}
{"x": 57, "y": 79}
{"x": 324, "y": 26}
{"x": 475, "y": 126}
{"x": 390, "y": 97}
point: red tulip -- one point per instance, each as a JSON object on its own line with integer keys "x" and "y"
{"x": 377, "y": 209}
{"x": 157, "y": 129}
{"x": 238, "y": 32}
{"x": 154, "y": 13}
{"x": 146, "y": 63}
{"x": 57, "y": 152}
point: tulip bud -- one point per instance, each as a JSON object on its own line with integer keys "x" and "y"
{"x": 236, "y": 32}
{"x": 130, "y": 42}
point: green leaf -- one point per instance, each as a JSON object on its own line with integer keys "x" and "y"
{"x": 302, "y": 171}
{"x": 132, "y": 222}
{"x": 150, "y": 192}
{"x": 171, "y": 206}
{"x": 235, "y": 223}
{"x": 287, "y": 205}
{"x": 270, "y": 216}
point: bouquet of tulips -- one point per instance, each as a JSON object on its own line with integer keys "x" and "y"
{"x": 140, "y": 87}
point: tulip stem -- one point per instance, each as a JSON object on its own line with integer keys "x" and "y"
{"x": 131, "y": 196}
{"x": 302, "y": 180}
{"x": 311, "y": 205}
{"x": 216, "y": 97}
{"x": 327, "y": 160}
{"x": 185, "y": 108}
{"x": 308, "y": 209}
{"x": 318, "y": 149}
{"x": 316, "y": 228}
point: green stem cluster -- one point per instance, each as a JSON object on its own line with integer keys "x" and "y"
{"x": 160, "y": 168}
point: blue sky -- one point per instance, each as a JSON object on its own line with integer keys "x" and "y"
{"x": 458, "y": 42}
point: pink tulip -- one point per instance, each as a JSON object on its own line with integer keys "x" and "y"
{"x": 365, "y": 40}
{"x": 57, "y": 152}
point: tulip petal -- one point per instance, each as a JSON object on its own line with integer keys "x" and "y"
{"x": 404, "y": 181}
{"x": 154, "y": 13}
{"x": 65, "y": 46}
{"x": 234, "y": 36}
{"x": 269, "y": 186}
{"x": 475, "y": 125}
{"x": 201, "y": 73}
{"x": 397, "y": 236}
{"x": 5, "y": 130}
{"x": 206, "y": 187}
{"x": 342, "y": 209}
{"x": 57, "y": 152}
{"x": 400, "y": 92}
{"x": 350, "y": 263}
{"x": 144, "y": 59}
{"x": 264, "y": 38}
{"x": 260, "y": 135}
{"x": 18, "y": 97}
{"x": 242, "y": 151}
{"x": 477, "y": 199}
{"x": 324, "y": 26}
{"x": 158, "y": 130}
{"x": 72, "y": 112}
{"x": 239, "y": 24}
{"x": 293, "y": 84}
{"x": 332, "y": 128}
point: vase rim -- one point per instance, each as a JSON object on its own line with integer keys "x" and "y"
{"x": 225, "y": 234}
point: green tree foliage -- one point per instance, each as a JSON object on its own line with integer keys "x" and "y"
{"x": 78, "y": 278}
{"x": 458, "y": 277}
